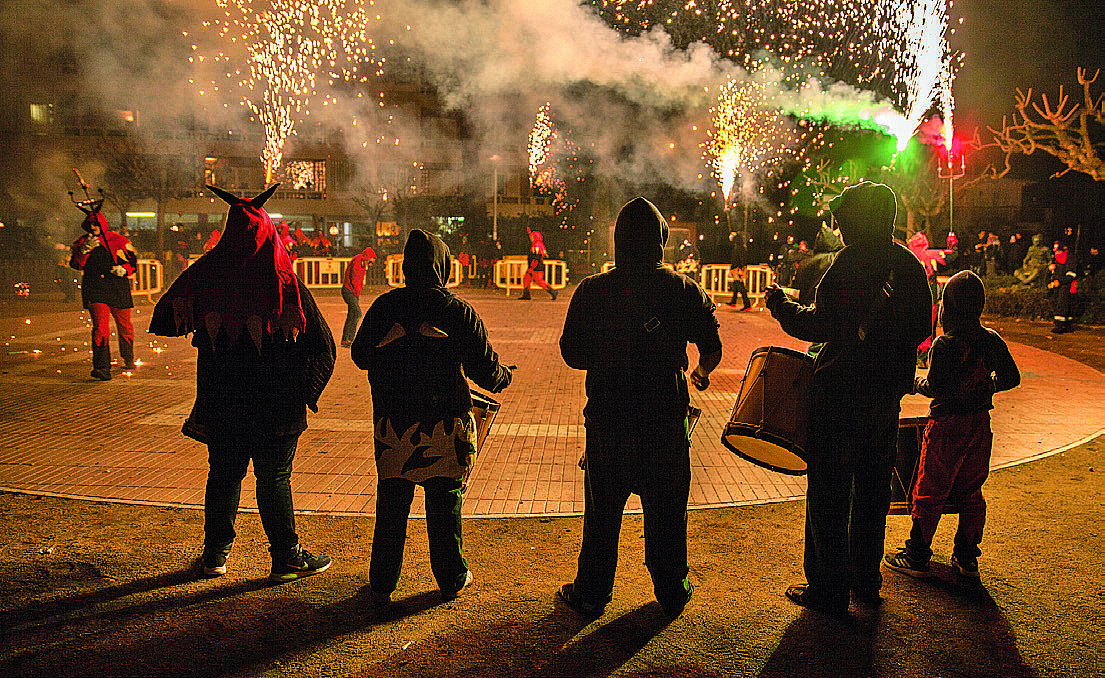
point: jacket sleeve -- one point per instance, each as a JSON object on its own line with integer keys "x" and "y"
{"x": 481, "y": 363}
{"x": 824, "y": 320}
{"x": 1006, "y": 374}
{"x": 317, "y": 348}
{"x": 577, "y": 341}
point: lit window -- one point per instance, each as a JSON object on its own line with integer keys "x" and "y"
{"x": 42, "y": 114}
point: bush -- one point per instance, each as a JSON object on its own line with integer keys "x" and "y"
{"x": 1005, "y": 296}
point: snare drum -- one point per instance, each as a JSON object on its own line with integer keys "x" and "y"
{"x": 911, "y": 432}
{"x": 770, "y": 417}
{"x": 484, "y": 409}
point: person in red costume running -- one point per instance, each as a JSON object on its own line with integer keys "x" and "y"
{"x": 351, "y": 292}
{"x": 107, "y": 260}
{"x": 535, "y": 271}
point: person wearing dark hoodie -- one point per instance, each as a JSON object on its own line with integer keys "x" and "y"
{"x": 265, "y": 354}
{"x": 970, "y": 363}
{"x": 629, "y": 329}
{"x": 418, "y": 344}
{"x": 871, "y": 310}
{"x": 106, "y": 260}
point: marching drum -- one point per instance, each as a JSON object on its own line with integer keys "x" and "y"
{"x": 484, "y": 409}
{"x": 911, "y": 432}
{"x": 771, "y": 414}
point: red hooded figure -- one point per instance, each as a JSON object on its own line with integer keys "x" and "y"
{"x": 265, "y": 354}
{"x": 351, "y": 292}
{"x": 107, "y": 261}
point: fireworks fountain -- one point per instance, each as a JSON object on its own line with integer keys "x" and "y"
{"x": 290, "y": 46}
{"x": 547, "y": 149}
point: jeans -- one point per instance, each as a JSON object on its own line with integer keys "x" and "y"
{"x": 955, "y": 462}
{"x": 657, "y": 468}
{"x": 393, "y": 507}
{"x": 352, "y": 316}
{"x": 739, "y": 288}
{"x": 272, "y": 465}
{"x": 847, "y": 498}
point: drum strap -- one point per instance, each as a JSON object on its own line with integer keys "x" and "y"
{"x": 879, "y": 307}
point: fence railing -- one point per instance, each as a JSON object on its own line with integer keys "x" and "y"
{"x": 511, "y": 269}
{"x": 148, "y": 278}
{"x": 757, "y": 278}
{"x": 394, "y": 271}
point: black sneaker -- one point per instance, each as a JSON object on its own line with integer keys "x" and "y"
{"x": 446, "y": 596}
{"x": 298, "y": 563}
{"x": 214, "y": 564}
{"x": 901, "y": 562}
{"x": 676, "y": 609}
{"x": 568, "y": 594}
{"x": 966, "y": 567}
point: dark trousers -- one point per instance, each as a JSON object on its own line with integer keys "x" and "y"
{"x": 955, "y": 461}
{"x": 393, "y": 507}
{"x": 352, "y": 315}
{"x": 739, "y": 287}
{"x": 847, "y": 498}
{"x": 272, "y": 465}
{"x": 657, "y": 468}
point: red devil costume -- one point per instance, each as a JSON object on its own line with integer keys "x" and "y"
{"x": 107, "y": 260}
{"x": 265, "y": 355}
{"x": 535, "y": 268}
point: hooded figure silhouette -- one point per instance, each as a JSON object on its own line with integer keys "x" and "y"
{"x": 265, "y": 354}
{"x": 420, "y": 344}
{"x": 629, "y": 329}
{"x": 969, "y": 364}
{"x": 871, "y": 310}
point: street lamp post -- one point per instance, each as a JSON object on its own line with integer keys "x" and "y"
{"x": 951, "y": 173}
{"x": 495, "y": 198}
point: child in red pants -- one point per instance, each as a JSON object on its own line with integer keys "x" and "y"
{"x": 970, "y": 363}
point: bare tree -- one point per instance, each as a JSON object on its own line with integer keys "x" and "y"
{"x": 374, "y": 201}
{"x": 132, "y": 173}
{"x": 1064, "y": 130}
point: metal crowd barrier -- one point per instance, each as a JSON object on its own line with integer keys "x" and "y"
{"x": 510, "y": 270}
{"x": 715, "y": 280}
{"x": 148, "y": 278}
{"x": 757, "y": 278}
{"x": 322, "y": 272}
{"x": 394, "y": 271}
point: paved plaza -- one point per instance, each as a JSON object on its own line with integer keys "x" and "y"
{"x": 63, "y": 433}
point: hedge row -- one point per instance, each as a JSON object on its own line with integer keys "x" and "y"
{"x": 1007, "y": 297}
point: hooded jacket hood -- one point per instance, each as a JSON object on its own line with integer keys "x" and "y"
{"x": 963, "y": 300}
{"x": 425, "y": 260}
{"x": 864, "y": 214}
{"x": 245, "y": 282}
{"x": 640, "y": 234}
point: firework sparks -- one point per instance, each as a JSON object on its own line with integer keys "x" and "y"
{"x": 750, "y": 134}
{"x": 290, "y": 45}
{"x": 548, "y": 149}
{"x": 897, "y": 48}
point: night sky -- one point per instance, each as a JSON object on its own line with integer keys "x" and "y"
{"x": 1022, "y": 43}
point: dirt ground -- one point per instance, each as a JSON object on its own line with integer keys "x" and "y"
{"x": 101, "y": 589}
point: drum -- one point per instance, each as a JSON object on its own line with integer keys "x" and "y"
{"x": 770, "y": 417}
{"x": 484, "y": 409}
{"x": 911, "y": 432}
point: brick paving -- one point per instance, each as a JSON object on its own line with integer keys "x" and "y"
{"x": 63, "y": 433}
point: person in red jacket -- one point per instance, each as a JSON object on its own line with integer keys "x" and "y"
{"x": 351, "y": 288}
{"x": 107, "y": 261}
{"x": 535, "y": 269}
